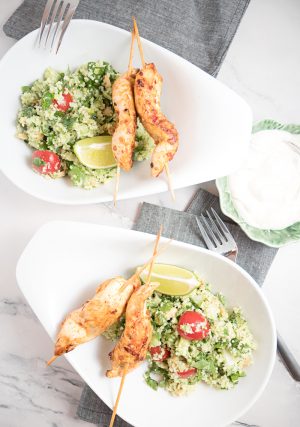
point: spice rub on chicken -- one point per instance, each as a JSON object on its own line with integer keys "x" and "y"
{"x": 123, "y": 140}
{"x": 147, "y": 91}
{"x": 132, "y": 347}
{"x": 95, "y": 315}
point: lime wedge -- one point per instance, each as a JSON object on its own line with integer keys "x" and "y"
{"x": 173, "y": 280}
{"x": 95, "y": 152}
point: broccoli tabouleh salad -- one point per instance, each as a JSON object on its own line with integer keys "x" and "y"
{"x": 64, "y": 107}
{"x": 196, "y": 338}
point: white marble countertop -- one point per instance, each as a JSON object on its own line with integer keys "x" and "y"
{"x": 262, "y": 65}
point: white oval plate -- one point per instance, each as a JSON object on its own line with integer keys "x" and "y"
{"x": 214, "y": 123}
{"x": 56, "y": 278}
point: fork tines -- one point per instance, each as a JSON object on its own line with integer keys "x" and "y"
{"x": 55, "y": 20}
{"x": 214, "y": 232}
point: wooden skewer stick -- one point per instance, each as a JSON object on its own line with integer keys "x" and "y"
{"x": 170, "y": 181}
{"x": 139, "y": 41}
{"x": 112, "y": 420}
{"x": 143, "y": 64}
{"x": 167, "y": 169}
{"x": 117, "y": 186}
{"x": 129, "y": 70}
{"x": 154, "y": 255}
{"x": 145, "y": 266}
{"x": 53, "y": 358}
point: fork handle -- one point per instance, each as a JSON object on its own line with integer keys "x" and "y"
{"x": 287, "y": 357}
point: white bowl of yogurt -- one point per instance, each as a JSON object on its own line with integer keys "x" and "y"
{"x": 263, "y": 195}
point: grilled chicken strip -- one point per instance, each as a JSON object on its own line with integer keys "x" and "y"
{"x": 123, "y": 140}
{"x": 132, "y": 347}
{"x": 96, "y": 315}
{"x": 147, "y": 91}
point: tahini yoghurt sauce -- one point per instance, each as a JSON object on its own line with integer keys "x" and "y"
{"x": 266, "y": 190}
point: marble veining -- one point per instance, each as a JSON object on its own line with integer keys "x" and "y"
{"x": 33, "y": 388}
{"x": 239, "y": 423}
{"x": 16, "y": 307}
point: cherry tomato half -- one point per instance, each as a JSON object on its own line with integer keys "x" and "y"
{"x": 188, "y": 373}
{"x": 193, "y": 326}
{"x": 45, "y": 162}
{"x": 64, "y": 104}
{"x": 159, "y": 353}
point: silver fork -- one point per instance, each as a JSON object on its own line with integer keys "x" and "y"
{"x": 56, "y": 18}
{"x": 216, "y": 235}
{"x": 218, "y": 239}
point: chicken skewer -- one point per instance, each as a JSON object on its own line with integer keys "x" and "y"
{"x": 147, "y": 91}
{"x": 132, "y": 347}
{"x": 99, "y": 313}
{"x": 96, "y": 315}
{"x": 123, "y": 140}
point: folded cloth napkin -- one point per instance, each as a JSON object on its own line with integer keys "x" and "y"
{"x": 254, "y": 257}
{"x": 198, "y": 30}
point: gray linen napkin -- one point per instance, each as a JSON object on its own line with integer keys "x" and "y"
{"x": 254, "y": 257}
{"x": 198, "y": 30}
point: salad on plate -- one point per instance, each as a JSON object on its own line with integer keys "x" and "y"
{"x": 68, "y": 119}
{"x": 196, "y": 337}
{"x": 170, "y": 317}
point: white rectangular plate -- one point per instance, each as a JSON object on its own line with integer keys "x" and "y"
{"x": 214, "y": 123}
{"x": 58, "y": 277}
